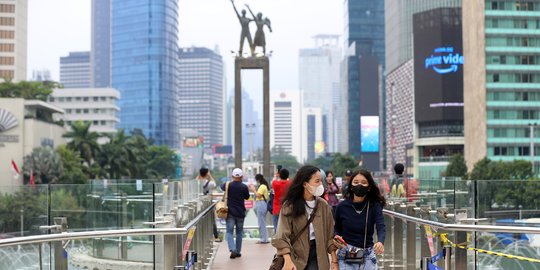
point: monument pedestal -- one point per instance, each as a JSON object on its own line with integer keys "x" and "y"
{"x": 252, "y": 63}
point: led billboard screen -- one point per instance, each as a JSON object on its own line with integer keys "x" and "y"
{"x": 369, "y": 132}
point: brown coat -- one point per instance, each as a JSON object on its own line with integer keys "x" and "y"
{"x": 323, "y": 224}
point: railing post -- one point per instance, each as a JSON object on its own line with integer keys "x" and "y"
{"x": 389, "y": 222}
{"x": 425, "y": 261}
{"x": 398, "y": 239}
{"x": 60, "y": 255}
{"x": 448, "y": 258}
{"x": 460, "y": 237}
{"x": 424, "y": 244}
{"x": 411, "y": 238}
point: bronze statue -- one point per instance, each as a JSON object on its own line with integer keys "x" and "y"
{"x": 244, "y": 22}
{"x": 260, "y": 40}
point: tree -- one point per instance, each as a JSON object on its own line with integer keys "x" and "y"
{"x": 288, "y": 161}
{"x": 83, "y": 141}
{"x": 114, "y": 155}
{"x": 343, "y": 162}
{"x": 322, "y": 162}
{"x": 481, "y": 170}
{"x": 73, "y": 168}
{"x": 27, "y": 89}
{"x": 457, "y": 167}
{"x": 161, "y": 162}
{"x": 45, "y": 164}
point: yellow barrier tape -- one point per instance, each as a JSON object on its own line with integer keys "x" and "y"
{"x": 446, "y": 241}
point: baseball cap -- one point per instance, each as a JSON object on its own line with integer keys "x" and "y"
{"x": 237, "y": 172}
{"x": 348, "y": 173}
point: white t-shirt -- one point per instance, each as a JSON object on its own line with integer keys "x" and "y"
{"x": 309, "y": 208}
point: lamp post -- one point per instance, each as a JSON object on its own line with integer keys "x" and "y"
{"x": 531, "y": 152}
{"x": 393, "y": 122}
{"x": 250, "y": 133}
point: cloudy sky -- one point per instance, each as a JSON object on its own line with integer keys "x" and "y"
{"x": 208, "y": 23}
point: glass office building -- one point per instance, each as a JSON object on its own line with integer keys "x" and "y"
{"x": 144, "y": 39}
{"x": 100, "y": 55}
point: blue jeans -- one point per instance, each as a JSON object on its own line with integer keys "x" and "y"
{"x": 260, "y": 208}
{"x": 275, "y": 219}
{"x": 370, "y": 261}
{"x": 239, "y": 223}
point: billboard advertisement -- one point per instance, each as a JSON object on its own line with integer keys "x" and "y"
{"x": 369, "y": 133}
{"x": 223, "y": 149}
{"x": 193, "y": 142}
{"x": 438, "y": 65}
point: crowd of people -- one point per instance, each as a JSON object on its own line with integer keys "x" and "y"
{"x": 318, "y": 222}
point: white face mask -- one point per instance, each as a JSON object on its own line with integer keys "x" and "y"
{"x": 316, "y": 191}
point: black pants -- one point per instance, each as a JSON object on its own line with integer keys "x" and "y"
{"x": 312, "y": 263}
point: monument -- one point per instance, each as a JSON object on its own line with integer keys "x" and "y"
{"x": 252, "y": 61}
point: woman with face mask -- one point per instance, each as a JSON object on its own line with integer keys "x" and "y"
{"x": 356, "y": 218}
{"x": 306, "y": 228}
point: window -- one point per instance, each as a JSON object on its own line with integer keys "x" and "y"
{"x": 7, "y": 60}
{"x": 85, "y": 111}
{"x": 496, "y": 77}
{"x": 7, "y": 8}
{"x": 96, "y": 98}
{"x": 7, "y": 34}
{"x": 68, "y": 99}
{"x": 7, "y": 21}
{"x": 78, "y": 98}
{"x": 523, "y": 150}
{"x": 68, "y": 111}
{"x": 503, "y": 59}
{"x": 7, "y": 73}
{"x": 85, "y": 99}
{"x": 7, "y": 47}
{"x": 78, "y": 111}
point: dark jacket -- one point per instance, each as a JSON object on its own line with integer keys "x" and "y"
{"x": 238, "y": 193}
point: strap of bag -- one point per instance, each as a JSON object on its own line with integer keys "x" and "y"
{"x": 206, "y": 184}
{"x": 226, "y": 192}
{"x": 305, "y": 227}
{"x": 365, "y": 232}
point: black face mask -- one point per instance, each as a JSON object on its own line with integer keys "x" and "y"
{"x": 360, "y": 190}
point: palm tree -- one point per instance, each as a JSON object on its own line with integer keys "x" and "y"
{"x": 115, "y": 155}
{"x": 84, "y": 141}
{"x": 45, "y": 164}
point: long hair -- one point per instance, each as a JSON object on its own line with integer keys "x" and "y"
{"x": 295, "y": 193}
{"x": 333, "y": 177}
{"x": 374, "y": 193}
{"x": 261, "y": 180}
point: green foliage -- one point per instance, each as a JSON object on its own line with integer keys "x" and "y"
{"x": 161, "y": 162}
{"x": 337, "y": 163}
{"x": 27, "y": 89}
{"x": 83, "y": 141}
{"x": 457, "y": 167}
{"x": 46, "y": 165}
{"x": 73, "y": 167}
{"x": 288, "y": 161}
{"x": 32, "y": 205}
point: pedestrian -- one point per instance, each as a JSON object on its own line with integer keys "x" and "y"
{"x": 398, "y": 189}
{"x": 279, "y": 185}
{"x": 356, "y": 219}
{"x": 332, "y": 190}
{"x": 261, "y": 199}
{"x": 348, "y": 174}
{"x": 208, "y": 185}
{"x": 236, "y": 195}
{"x": 305, "y": 227}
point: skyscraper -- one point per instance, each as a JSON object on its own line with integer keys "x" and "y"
{"x": 100, "y": 53}
{"x": 144, "y": 55}
{"x": 13, "y": 32}
{"x": 285, "y": 117}
{"x": 362, "y": 79}
{"x": 319, "y": 80}
{"x": 501, "y": 80}
{"x": 200, "y": 98}
{"x": 75, "y": 70}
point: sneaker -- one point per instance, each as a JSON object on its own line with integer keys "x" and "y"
{"x": 238, "y": 255}
{"x": 217, "y": 239}
{"x": 233, "y": 255}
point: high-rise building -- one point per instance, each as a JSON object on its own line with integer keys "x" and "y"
{"x": 75, "y": 70}
{"x": 251, "y": 126}
{"x": 319, "y": 80}
{"x": 362, "y": 79}
{"x": 41, "y": 75}
{"x": 313, "y": 144}
{"x": 200, "y": 93}
{"x": 285, "y": 118}
{"x": 501, "y": 81}
{"x": 144, "y": 61}
{"x": 13, "y": 33}
{"x": 100, "y": 53}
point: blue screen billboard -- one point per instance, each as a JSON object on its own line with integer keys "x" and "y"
{"x": 369, "y": 133}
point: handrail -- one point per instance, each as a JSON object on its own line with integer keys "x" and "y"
{"x": 98, "y": 234}
{"x": 463, "y": 227}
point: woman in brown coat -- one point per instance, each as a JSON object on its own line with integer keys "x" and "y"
{"x": 311, "y": 248}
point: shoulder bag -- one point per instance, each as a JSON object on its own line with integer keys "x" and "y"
{"x": 356, "y": 255}
{"x": 222, "y": 210}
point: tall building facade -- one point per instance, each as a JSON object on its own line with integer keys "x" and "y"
{"x": 501, "y": 80}
{"x": 200, "y": 98}
{"x": 319, "y": 80}
{"x": 313, "y": 126}
{"x": 144, "y": 62}
{"x": 75, "y": 71}
{"x": 13, "y": 39}
{"x": 100, "y": 53}
{"x": 251, "y": 126}
{"x": 285, "y": 117}
{"x": 362, "y": 79}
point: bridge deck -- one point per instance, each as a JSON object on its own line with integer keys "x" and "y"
{"x": 254, "y": 256}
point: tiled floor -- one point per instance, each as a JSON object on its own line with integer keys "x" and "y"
{"x": 254, "y": 256}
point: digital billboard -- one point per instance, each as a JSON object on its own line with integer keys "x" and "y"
{"x": 223, "y": 149}
{"x": 193, "y": 142}
{"x": 438, "y": 65}
{"x": 369, "y": 133}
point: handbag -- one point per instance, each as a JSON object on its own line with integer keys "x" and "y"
{"x": 355, "y": 255}
{"x": 278, "y": 261}
{"x": 222, "y": 210}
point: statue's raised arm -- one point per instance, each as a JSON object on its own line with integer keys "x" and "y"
{"x": 252, "y": 14}
{"x": 235, "y": 10}
{"x": 245, "y": 34}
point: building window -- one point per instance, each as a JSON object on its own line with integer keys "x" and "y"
{"x": 7, "y": 74}
{"x": 503, "y": 59}
{"x": 523, "y": 150}
{"x": 7, "y": 47}
{"x": 10, "y": 21}
{"x": 7, "y": 8}
{"x": 495, "y": 77}
{"x": 85, "y": 99}
{"x": 7, "y": 34}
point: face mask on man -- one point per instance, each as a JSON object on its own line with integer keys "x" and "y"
{"x": 316, "y": 191}
{"x": 360, "y": 190}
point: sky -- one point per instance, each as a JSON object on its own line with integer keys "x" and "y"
{"x": 206, "y": 23}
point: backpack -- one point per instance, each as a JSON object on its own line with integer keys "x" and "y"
{"x": 270, "y": 203}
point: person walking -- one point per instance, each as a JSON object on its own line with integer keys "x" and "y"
{"x": 344, "y": 184}
{"x": 398, "y": 189}
{"x": 261, "y": 199}
{"x": 237, "y": 193}
{"x": 305, "y": 226}
{"x": 332, "y": 190}
{"x": 356, "y": 218}
{"x": 208, "y": 184}
{"x": 279, "y": 186}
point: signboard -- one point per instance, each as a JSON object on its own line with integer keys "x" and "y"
{"x": 193, "y": 142}
{"x": 369, "y": 133}
{"x": 223, "y": 149}
{"x": 320, "y": 147}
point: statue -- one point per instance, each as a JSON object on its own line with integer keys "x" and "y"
{"x": 244, "y": 22}
{"x": 259, "y": 41}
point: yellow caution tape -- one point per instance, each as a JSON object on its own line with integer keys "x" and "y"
{"x": 446, "y": 241}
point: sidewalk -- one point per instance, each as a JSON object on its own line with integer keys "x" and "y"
{"x": 254, "y": 256}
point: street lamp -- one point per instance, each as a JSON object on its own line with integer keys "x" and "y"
{"x": 393, "y": 122}
{"x": 531, "y": 152}
{"x": 250, "y": 133}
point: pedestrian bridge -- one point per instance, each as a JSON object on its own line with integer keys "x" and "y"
{"x": 169, "y": 226}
